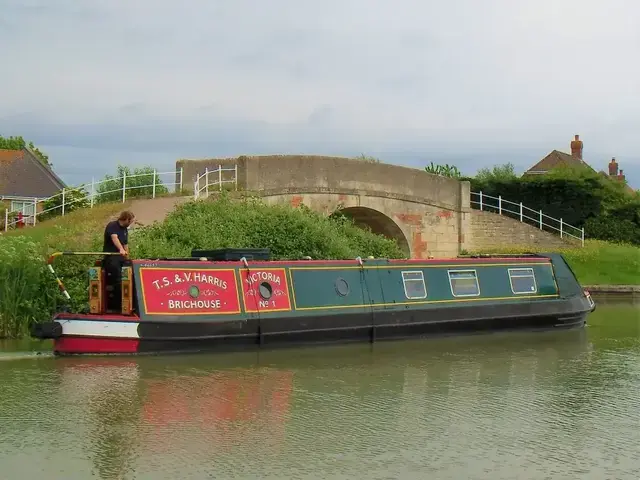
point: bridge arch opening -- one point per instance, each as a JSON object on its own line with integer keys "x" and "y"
{"x": 377, "y": 222}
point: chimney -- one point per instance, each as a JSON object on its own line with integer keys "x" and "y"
{"x": 613, "y": 168}
{"x": 576, "y": 147}
{"x": 621, "y": 176}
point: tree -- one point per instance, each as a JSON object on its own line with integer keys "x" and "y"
{"x": 137, "y": 183}
{"x": 504, "y": 172}
{"x": 19, "y": 143}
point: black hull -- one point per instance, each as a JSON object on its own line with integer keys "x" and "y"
{"x": 372, "y": 326}
{"x": 357, "y": 335}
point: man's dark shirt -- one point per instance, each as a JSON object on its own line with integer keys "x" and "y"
{"x": 123, "y": 236}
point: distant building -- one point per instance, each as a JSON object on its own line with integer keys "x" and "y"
{"x": 24, "y": 181}
{"x": 557, "y": 159}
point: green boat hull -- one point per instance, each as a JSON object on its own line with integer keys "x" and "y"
{"x": 190, "y": 305}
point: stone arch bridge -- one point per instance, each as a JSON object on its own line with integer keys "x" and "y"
{"x": 428, "y": 215}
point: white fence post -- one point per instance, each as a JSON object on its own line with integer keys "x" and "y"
{"x": 153, "y": 193}
{"x": 520, "y": 211}
{"x": 181, "y": 174}
{"x": 35, "y": 210}
{"x": 236, "y": 176}
{"x": 93, "y": 191}
{"x": 124, "y": 185}
{"x": 561, "y": 228}
{"x": 6, "y": 219}
{"x": 582, "y": 236}
{"x": 63, "y": 201}
{"x": 540, "y": 219}
{"x": 480, "y": 200}
{"x": 220, "y": 177}
{"x": 500, "y": 204}
{"x": 206, "y": 182}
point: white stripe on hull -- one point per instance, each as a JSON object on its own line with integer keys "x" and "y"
{"x": 93, "y": 328}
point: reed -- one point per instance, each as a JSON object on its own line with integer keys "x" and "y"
{"x": 25, "y": 291}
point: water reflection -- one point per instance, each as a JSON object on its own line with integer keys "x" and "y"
{"x": 548, "y": 405}
{"x": 236, "y": 408}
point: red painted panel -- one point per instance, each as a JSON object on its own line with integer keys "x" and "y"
{"x": 277, "y": 278}
{"x": 330, "y": 263}
{"x": 95, "y": 345}
{"x": 189, "y": 291}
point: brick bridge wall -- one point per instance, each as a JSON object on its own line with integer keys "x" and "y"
{"x": 490, "y": 230}
{"x": 430, "y": 215}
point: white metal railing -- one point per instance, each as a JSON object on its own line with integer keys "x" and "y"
{"x": 204, "y": 183}
{"x": 72, "y": 196}
{"x": 525, "y": 214}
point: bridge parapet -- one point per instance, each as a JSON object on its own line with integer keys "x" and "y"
{"x": 311, "y": 173}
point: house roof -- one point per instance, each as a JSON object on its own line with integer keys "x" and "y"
{"x": 557, "y": 159}
{"x": 22, "y": 174}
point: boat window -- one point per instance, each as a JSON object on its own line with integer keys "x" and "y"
{"x": 464, "y": 283}
{"x": 414, "y": 287}
{"x": 342, "y": 287}
{"x": 265, "y": 290}
{"x": 522, "y": 280}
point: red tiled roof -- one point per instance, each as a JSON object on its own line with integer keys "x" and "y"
{"x": 557, "y": 159}
{"x": 22, "y": 174}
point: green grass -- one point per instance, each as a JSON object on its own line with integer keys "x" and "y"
{"x": 597, "y": 263}
{"x": 77, "y": 230}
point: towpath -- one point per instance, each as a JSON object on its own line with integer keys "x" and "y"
{"x": 148, "y": 211}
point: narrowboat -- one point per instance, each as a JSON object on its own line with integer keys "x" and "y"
{"x": 240, "y": 298}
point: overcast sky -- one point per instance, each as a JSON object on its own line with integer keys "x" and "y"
{"x": 470, "y": 82}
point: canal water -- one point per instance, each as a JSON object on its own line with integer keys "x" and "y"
{"x": 558, "y": 405}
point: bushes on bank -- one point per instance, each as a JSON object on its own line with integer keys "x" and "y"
{"x": 582, "y": 198}
{"x": 28, "y": 292}
{"x": 287, "y": 232}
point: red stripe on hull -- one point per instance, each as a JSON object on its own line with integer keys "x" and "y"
{"x": 67, "y": 345}
{"x": 336, "y": 263}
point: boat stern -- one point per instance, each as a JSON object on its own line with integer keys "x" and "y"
{"x": 98, "y": 335}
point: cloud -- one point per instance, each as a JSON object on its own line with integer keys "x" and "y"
{"x": 476, "y": 81}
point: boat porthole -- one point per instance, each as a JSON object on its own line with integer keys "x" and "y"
{"x": 342, "y": 287}
{"x": 265, "y": 290}
{"x": 194, "y": 291}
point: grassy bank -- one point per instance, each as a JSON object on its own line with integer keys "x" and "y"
{"x": 29, "y": 294}
{"x": 597, "y": 263}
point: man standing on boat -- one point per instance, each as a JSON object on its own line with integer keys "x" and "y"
{"x": 116, "y": 240}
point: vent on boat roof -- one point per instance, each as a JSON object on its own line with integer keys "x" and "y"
{"x": 233, "y": 254}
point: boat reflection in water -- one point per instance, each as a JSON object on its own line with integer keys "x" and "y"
{"x": 175, "y": 414}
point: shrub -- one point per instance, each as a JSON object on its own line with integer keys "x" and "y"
{"x": 250, "y": 223}
{"x": 74, "y": 198}
{"x": 580, "y": 197}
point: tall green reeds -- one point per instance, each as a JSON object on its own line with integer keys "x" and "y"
{"x": 24, "y": 294}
